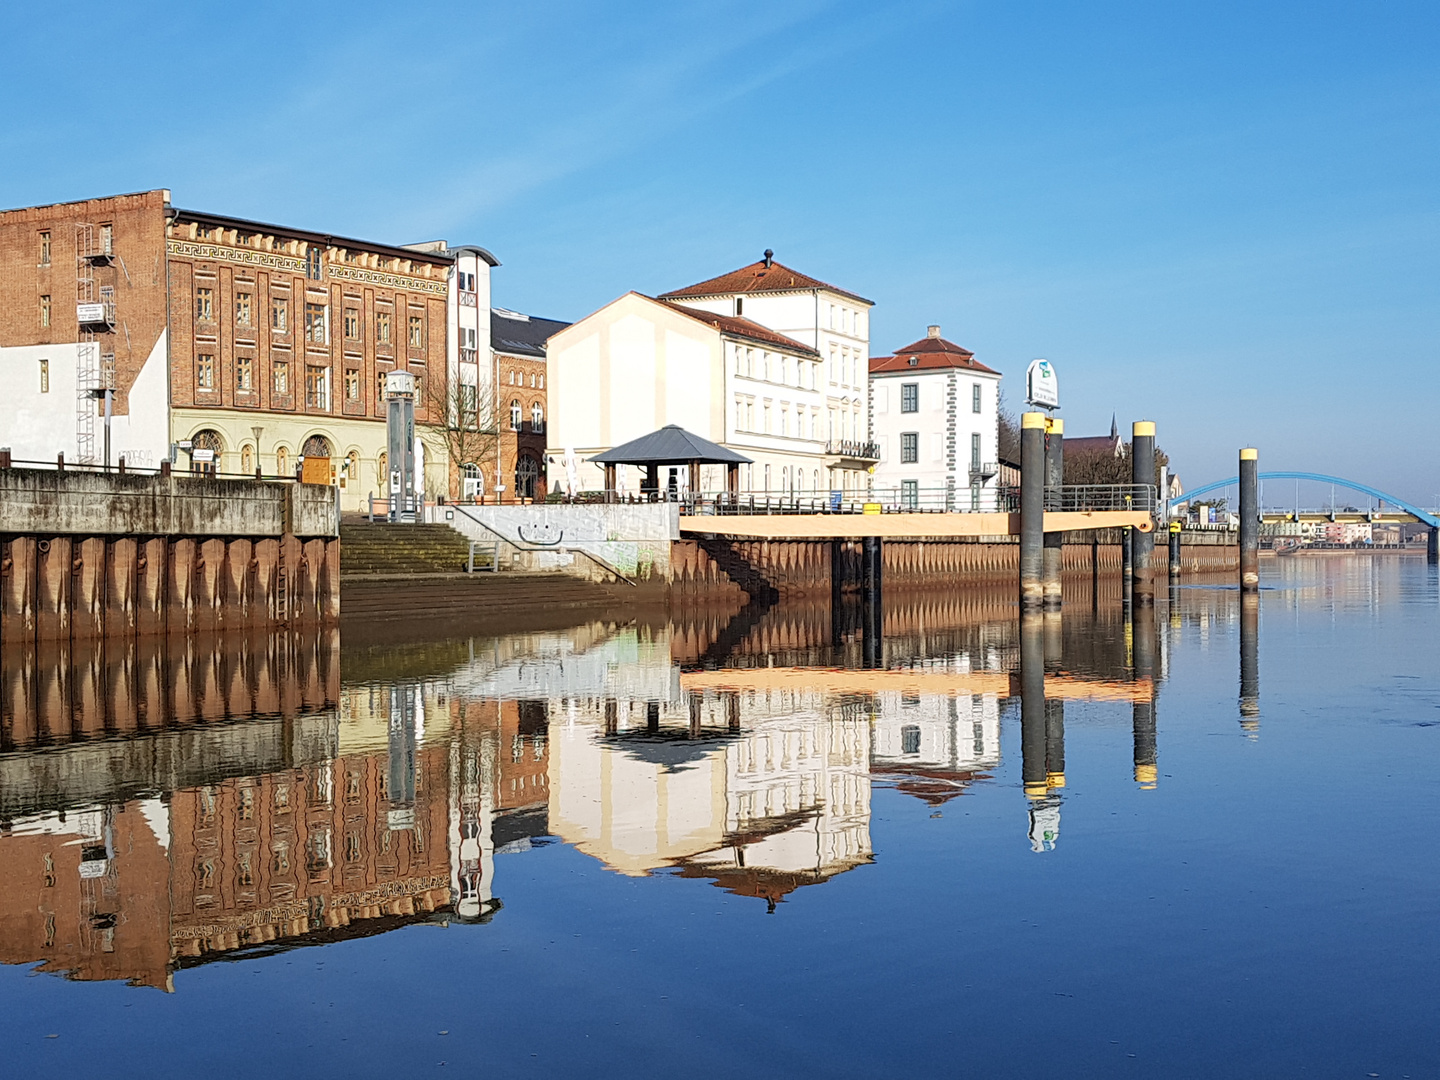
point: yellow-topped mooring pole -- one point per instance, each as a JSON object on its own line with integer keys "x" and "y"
{"x": 1142, "y": 459}
{"x": 1249, "y": 520}
{"x": 1054, "y": 481}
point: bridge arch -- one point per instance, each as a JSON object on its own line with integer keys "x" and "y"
{"x": 1420, "y": 515}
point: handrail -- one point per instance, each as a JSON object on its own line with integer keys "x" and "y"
{"x": 603, "y": 563}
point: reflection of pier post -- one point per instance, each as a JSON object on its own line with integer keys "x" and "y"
{"x": 612, "y": 716}
{"x": 1432, "y": 546}
{"x": 1249, "y": 521}
{"x": 1053, "y": 541}
{"x": 1054, "y": 637}
{"x": 697, "y": 711}
{"x": 1143, "y": 712}
{"x": 1032, "y": 706}
{"x": 1250, "y": 663}
{"x": 837, "y": 593}
{"x": 732, "y": 710}
{"x": 401, "y": 773}
{"x": 652, "y": 718}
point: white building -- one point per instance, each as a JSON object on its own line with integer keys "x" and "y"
{"x": 765, "y": 361}
{"x": 639, "y": 363}
{"x": 933, "y": 415}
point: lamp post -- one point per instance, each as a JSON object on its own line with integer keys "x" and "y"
{"x": 257, "y": 430}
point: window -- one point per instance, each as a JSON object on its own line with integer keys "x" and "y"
{"x": 247, "y": 459}
{"x": 537, "y": 418}
{"x": 315, "y": 324}
{"x": 44, "y": 376}
{"x": 909, "y": 448}
{"x": 281, "y": 375}
{"x": 107, "y": 239}
{"x": 317, "y": 387}
{"x": 312, "y": 263}
{"x": 243, "y": 374}
{"x": 382, "y": 327}
{"x": 204, "y": 304}
{"x": 975, "y": 450}
{"x": 282, "y": 466}
{"x": 205, "y": 372}
{"x": 352, "y": 324}
{"x": 909, "y": 494}
{"x": 380, "y": 386}
{"x": 975, "y": 496}
{"x": 975, "y": 398}
{"x": 515, "y": 416}
{"x": 739, "y": 305}
{"x": 909, "y": 397}
{"x": 280, "y": 315}
{"x": 352, "y": 384}
{"x": 242, "y": 309}
{"x": 44, "y": 311}
{"x": 45, "y": 248}
{"x": 417, "y": 332}
{"x": 784, "y": 420}
{"x": 910, "y": 739}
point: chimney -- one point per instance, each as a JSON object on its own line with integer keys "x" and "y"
{"x": 932, "y": 331}
{"x": 769, "y": 258}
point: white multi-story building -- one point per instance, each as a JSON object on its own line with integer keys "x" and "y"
{"x": 833, "y": 322}
{"x": 640, "y": 363}
{"x": 933, "y": 415}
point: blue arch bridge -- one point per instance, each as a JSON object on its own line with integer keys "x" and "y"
{"x": 1402, "y": 512}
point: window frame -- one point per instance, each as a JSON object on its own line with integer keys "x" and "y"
{"x": 910, "y": 397}
{"x": 909, "y": 448}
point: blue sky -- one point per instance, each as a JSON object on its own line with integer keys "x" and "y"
{"x": 1218, "y": 216}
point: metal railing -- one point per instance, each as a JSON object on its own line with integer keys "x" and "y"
{"x": 493, "y": 547}
{"x": 894, "y": 500}
{"x": 122, "y": 468}
{"x": 853, "y": 448}
{"x": 1085, "y": 497}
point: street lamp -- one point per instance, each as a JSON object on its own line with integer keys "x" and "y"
{"x": 257, "y": 430}
{"x": 108, "y": 393}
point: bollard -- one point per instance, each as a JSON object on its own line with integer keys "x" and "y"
{"x": 1143, "y": 712}
{"x": 1032, "y": 511}
{"x": 1054, "y": 481}
{"x": 1250, "y": 664}
{"x": 1142, "y": 467}
{"x": 1249, "y": 521}
{"x": 1174, "y": 550}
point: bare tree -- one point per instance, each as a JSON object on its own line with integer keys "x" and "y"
{"x": 1105, "y": 466}
{"x": 1008, "y": 435}
{"x": 463, "y": 419}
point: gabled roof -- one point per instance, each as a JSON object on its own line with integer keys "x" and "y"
{"x": 738, "y": 326}
{"x": 515, "y": 334}
{"x": 671, "y": 445}
{"x": 1093, "y": 444}
{"x": 765, "y": 276}
{"x": 931, "y": 353}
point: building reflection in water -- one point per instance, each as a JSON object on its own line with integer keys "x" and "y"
{"x": 169, "y": 805}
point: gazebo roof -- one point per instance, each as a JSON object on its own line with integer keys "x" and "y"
{"x": 671, "y": 445}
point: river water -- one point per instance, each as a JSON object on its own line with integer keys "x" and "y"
{"x": 1198, "y": 843}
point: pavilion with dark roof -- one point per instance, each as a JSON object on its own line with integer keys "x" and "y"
{"x": 674, "y": 446}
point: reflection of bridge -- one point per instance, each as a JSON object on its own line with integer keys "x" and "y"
{"x": 1404, "y": 512}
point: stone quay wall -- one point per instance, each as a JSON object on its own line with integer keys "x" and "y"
{"x": 87, "y": 555}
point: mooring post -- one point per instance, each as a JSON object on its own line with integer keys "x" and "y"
{"x": 1174, "y": 550}
{"x": 1249, "y": 520}
{"x": 872, "y": 602}
{"x": 1054, "y": 481}
{"x": 1032, "y": 511}
{"x": 1250, "y": 663}
{"x": 1142, "y": 467}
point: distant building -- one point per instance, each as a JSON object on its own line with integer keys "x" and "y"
{"x": 933, "y": 415}
{"x": 1111, "y": 445}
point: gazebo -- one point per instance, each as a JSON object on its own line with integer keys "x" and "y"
{"x": 674, "y": 446}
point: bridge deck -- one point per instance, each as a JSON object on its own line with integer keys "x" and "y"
{"x": 900, "y": 526}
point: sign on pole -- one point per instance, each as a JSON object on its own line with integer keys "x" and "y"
{"x": 1042, "y": 388}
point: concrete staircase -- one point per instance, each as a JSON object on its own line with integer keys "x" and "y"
{"x": 385, "y": 550}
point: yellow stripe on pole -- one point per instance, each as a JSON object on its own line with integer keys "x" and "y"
{"x": 1249, "y": 455}
{"x": 1033, "y": 420}
{"x": 1144, "y": 427}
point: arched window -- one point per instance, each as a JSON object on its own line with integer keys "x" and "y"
{"x": 527, "y": 477}
{"x": 208, "y": 440}
{"x": 282, "y": 461}
{"x": 767, "y": 479}
{"x": 472, "y": 481}
{"x": 352, "y": 467}
{"x": 537, "y": 417}
{"x": 515, "y": 415}
{"x": 247, "y": 459}
{"x": 382, "y": 473}
{"x": 316, "y": 446}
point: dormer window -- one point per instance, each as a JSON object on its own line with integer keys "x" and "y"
{"x": 914, "y": 361}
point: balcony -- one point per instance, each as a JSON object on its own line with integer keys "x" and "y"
{"x": 853, "y": 450}
{"x": 982, "y": 470}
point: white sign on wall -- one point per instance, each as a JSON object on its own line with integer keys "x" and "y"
{"x": 1041, "y": 386}
{"x": 90, "y": 313}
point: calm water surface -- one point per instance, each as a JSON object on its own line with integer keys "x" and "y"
{"x": 1200, "y": 843}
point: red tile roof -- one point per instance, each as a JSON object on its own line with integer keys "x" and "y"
{"x": 928, "y": 353}
{"x": 758, "y": 278}
{"x": 736, "y": 326}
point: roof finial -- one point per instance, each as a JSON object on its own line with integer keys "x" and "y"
{"x": 769, "y": 258}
